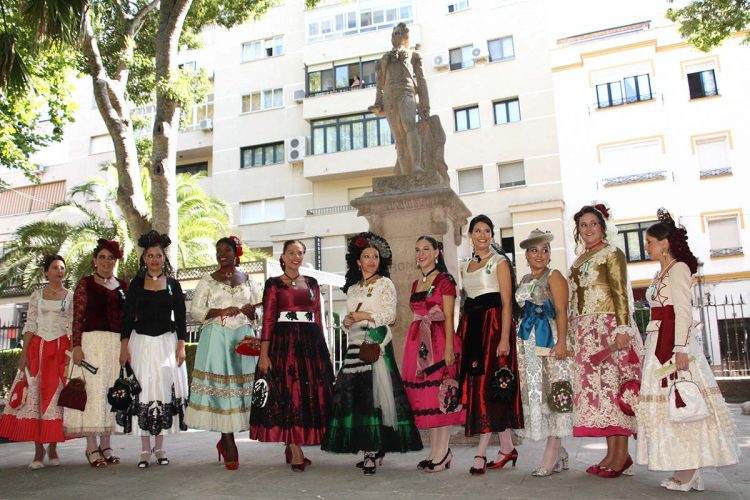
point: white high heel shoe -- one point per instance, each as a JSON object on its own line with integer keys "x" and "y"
{"x": 695, "y": 483}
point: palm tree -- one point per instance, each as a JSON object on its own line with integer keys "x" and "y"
{"x": 73, "y": 227}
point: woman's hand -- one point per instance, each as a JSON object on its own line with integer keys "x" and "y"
{"x": 264, "y": 364}
{"x": 622, "y": 341}
{"x": 559, "y": 351}
{"x": 22, "y": 360}
{"x": 681, "y": 360}
{"x": 124, "y": 354}
{"x": 248, "y": 310}
{"x": 350, "y": 319}
{"x": 231, "y": 311}
{"x": 503, "y": 348}
{"x": 78, "y": 355}
{"x": 449, "y": 356}
{"x": 180, "y": 354}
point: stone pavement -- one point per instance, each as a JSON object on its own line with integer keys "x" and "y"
{"x": 194, "y": 473}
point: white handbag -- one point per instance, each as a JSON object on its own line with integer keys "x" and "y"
{"x": 695, "y": 407}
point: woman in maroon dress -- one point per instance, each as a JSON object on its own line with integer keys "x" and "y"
{"x": 430, "y": 341}
{"x": 294, "y": 352}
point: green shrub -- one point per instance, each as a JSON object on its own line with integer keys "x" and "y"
{"x": 8, "y": 367}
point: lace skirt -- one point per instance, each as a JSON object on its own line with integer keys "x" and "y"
{"x": 40, "y": 419}
{"x": 101, "y": 349}
{"x": 537, "y": 375}
{"x": 160, "y": 407}
{"x": 667, "y": 446}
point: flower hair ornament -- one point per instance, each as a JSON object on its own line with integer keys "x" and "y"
{"x": 678, "y": 241}
{"x": 154, "y": 239}
{"x": 42, "y": 259}
{"x": 111, "y": 245}
{"x": 238, "y": 249}
{"x": 362, "y": 240}
{"x": 603, "y": 208}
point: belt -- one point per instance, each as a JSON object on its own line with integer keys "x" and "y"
{"x": 297, "y": 316}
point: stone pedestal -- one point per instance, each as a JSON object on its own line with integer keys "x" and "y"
{"x": 400, "y": 209}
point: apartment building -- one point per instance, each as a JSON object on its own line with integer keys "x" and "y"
{"x": 645, "y": 121}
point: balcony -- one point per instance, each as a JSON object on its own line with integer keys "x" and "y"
{"x": 338, "y": 209}
{"x": 716, "y": 172}
{"x": 659, "y": 175}
{"x": 373, "y": 161}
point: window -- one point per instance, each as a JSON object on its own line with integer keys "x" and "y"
{"x": 636, "y": 88}
{"x": 508, "y": 243}
{"x": 501, "y": 49}
{"x": 100, "y": 144}
{"x": 265, "y": 154}
{"x": 262, "y": 100}
{"x": 467, "y": 118}
{"x": 461, "y": 57}
{"x": 319, "y": 82}
{"x": 457, "y": 6}
{"x": 33, "y": 198}
{"x": 507, "y": 111}
{"x": 342, "y": 77}
{"x": 188, "y": 66}
{"x": 349, "y": 132}
{"x": 470, "y": 180}
{"x": 348, "y": 19}
{"x": 632, "y": 238}
{"x": 702, "y": 84}
{"x": 198, "y": 116}
{"x": 609, "y": 94}
{"x": 511, "y": 174}
{"x": 724, "y": 233}
{"x": 193, "y": 168}
{"x": 260, "y": 49}
{"x": 254, "y": 212}
{"x": 631, "y": 158}
{"x": 713, "y": 154}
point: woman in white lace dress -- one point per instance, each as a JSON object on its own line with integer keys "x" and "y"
{"x": 543, "y": 365}
{"x": 673, "y": 353}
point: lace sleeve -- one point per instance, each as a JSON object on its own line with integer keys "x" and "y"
{"x": 386, "y": 311}
{"x": 270, "y": 309}
{"x": 679, "y": 289}
{"x": 32, "y": 315}
{"x": 80, "y": 298}
{"x": 199, "y": 308}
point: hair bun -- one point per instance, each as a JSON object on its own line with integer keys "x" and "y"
{"x": 664, "y": 216}
{"x": 154, "y": 239}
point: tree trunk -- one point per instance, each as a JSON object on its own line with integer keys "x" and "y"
{"x": 162, "y": 167}
{"x": 113, "y": 107}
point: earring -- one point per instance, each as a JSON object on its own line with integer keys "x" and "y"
{"x": 665, "y": 253}
{"x": 436, "y": 261}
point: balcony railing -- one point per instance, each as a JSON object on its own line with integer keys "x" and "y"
{"x": 726, "y": 252}
{"x": 625, "y": 100}
{"x": 363, "y": 85}
{"x": 628, "y": 179}
{"x": 716, "y": 172}
{"x": 338, "y": 209}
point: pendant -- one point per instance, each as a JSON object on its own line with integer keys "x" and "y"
{"x": 154, "y": 278}
{"x": 424, "y": 279}
{"x": 293, "y": 283}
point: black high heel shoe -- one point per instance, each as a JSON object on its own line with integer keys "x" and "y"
{"x": 288, "y": 455}
{"x": 423, "y": 464}
{"x": 368, "y": 464}
{"x": 478, "y": 471}
{"x": 378, "y": 458}
{"x": 445, "y": 463}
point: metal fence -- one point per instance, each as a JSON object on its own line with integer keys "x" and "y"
{"x": 726, "y": 330}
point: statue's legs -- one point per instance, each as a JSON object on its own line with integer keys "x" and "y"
{"x": 408, "y": 114}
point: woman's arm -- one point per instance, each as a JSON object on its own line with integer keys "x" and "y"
{"x": 679, "y": 287}
{"x": 30, "y": 328}
{"x": 504, "y": 280}
{"x": 559, "y": 287}
{"x": 80, "y": 298}
{"x": 617, "y": 273}
{"x": 270, "y": 317}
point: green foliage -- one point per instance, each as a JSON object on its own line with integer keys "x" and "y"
{"x": 707, "y": 23}
{"x": 89, "y": 214}
{"x": 8, "y": 367}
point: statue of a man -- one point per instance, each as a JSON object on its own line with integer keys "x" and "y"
{"x": 401, "y": 92}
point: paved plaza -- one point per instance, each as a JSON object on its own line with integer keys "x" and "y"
{"x": 194, "y": 473}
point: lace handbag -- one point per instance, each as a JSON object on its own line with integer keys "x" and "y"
{"x": 686, "y": 402}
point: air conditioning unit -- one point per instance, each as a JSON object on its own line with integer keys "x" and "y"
{"x": 296, "y": 149}
{"x": 440, "y": 60}
{"x": 480, "y": 53}
{"x": 299, "y": 95}
{"x": 206, "y": 125}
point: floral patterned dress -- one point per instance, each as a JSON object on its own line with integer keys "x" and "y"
{"x": 599, "y": 312}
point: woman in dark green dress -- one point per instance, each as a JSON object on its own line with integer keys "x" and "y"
{"x": 370, "y": 409}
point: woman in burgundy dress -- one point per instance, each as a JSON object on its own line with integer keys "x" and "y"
{"x": 294, "y": 352}
{"x": 430, "y": 341}
{"x": 97, "y": 315}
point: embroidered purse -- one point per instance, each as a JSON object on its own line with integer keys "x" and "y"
{"x": 560, "y": 397}
{"x": 73, "y": 395}
{"x": 503, "y": 386}
{"x": 121, "y": 395}
{"x": 449, "y": 394}
{"x": 18, "y": 393}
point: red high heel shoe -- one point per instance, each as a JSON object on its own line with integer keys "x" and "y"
{"x": 511, "y": 456}
{"x": 627, "y": 470}
{"x": 288, "y": 455}
{"x": 594, "y": 469}
{"x": 227, "y": 465}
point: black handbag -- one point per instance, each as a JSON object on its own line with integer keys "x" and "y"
{"x": 120, "y": 396}
{"x": 504, "y": 385}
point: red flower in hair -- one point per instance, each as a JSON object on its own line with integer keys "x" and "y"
{"x": 602, "y": 209}
{"x": 237, "y": 242}
{"x": 360, "y": 242}
{"x": 111, "y": 245}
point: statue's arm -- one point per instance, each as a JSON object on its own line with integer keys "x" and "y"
{"x": 380, "y": 71}
{"x": 424, "y": 98}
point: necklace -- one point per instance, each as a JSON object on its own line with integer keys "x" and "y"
{"x": 594, "y": 245}
{"x": 102, "y": 277}
{"x": 292, "y": 281}
{"x": 155, "y": 277}
{"x": 370, "y": 285}
{"x": 424, "y": 275}
{"x": 480, "y": 259}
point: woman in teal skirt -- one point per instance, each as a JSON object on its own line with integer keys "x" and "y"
{"x": 370, "y": 410}
{"x": 222, "y": 385}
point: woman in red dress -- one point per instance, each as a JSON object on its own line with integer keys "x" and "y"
{"x": 429, "y": 341}
{"x": 294, "y": 352}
